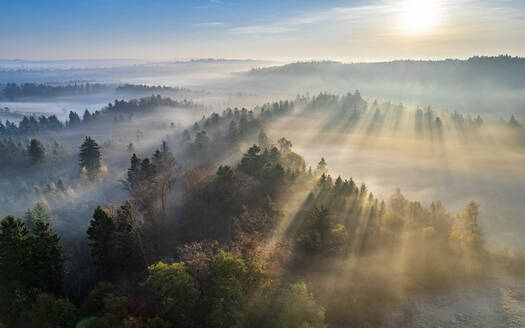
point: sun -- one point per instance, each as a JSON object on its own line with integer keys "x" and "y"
{"x": 419, "y": 16}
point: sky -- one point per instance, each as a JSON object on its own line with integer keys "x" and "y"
{"x": 355, "y": 30}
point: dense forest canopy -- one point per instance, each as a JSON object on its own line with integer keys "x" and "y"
{"x": 262, "y": 164}
{"x": 13, "y": 91}
{"x": 222, "y": 222}
{"x": 119, "y": 110}
{"x": 490, "y": 85}
{"x": 505, "y": 70}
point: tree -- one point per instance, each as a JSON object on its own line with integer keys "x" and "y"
{"x": 201, "y": 141}
{"x": 164, "y": 163}
{"x": 293, "y": 307}
{"x": 233, "y": 135}
{"x": 133, "y": 178}
{"x": 12, "y": 91}
{"x": 87, "y": 116}
{"x": 14, "y": 250}
{"x": 468, "y": 229}
{"x": 100, "y": 234}
{"x": 225, "y": 176}
{"x": 127, "y": 254}
{"x": 251, "y": 162}
{"x": 321, "y": 167}
{"x": 74, "y": 119}
{"x": 39, "y": 212}
{"x": 36, "y": 151}
{"x": 299, "y": 309}
{"x": 90, "y": 157}
{"x": 320, "y": 235}
{"x": 31, "y": 259}
{"x": 141, "y": 183}
{"x": 145, "y": 192}
{"x": 285, "y": 146}
{"x": 177, "y": 290}
{"x": 226, "y": 296}
{"x": 51, "y": 312}
{"x": 47, "y": 262}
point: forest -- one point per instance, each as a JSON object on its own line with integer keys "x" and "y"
{"x": 144, "y": 214}
{"x": 14, "y": 91}
{"x": 503, "y": 69}
{"x": 262, "y": 164}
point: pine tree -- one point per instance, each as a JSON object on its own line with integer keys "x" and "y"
{"x": 47, "y": 262}
{"x": 13, "y": 250}
{"x": 30, "y": 259}
{"x": 321, "y": 167}
{"x": 39, "y": 212}
{"x": 100, "y": 234}
{"x": 132, "y": 181}
{"x": 36, "y": 151}
{"x": 87, "y": 116}
{"x": 90, "y": 157}
{"x": 127, "y": 253}
{"x": 164, "y": 163}
{"x": 74, "y": 119}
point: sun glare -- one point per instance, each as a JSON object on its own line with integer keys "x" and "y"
{"x": 419, "y": 16}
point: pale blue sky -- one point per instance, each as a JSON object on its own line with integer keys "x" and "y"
{"x": 282, "y": 30}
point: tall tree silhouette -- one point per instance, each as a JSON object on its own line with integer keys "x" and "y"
{"x": 90, "y": 157}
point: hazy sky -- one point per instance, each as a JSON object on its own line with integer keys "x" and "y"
{"x": 269, "y": 29}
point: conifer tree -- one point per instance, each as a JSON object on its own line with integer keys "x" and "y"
{"x": 100, "y": 235}
{"x": 74, "y": 119}
{"x": 32, "y": 259}
{"x": 164, "y": 163}
{"x": 13, "y": 249}
{"x": 47, "y": 263}
{"x": 90, "y": 157}
{"x": 321, "y": 167}
{"x": 126, "y": 252}
{"x": 36, "y": 151}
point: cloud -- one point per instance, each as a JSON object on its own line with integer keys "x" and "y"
{"x": 261, "y": 29}
{"x": 385, "y": 17}
{"x": 208, "y": 24}
{"x": 330, "y": 15}
{"x": 377, "y": 15}
{"x": 282, "y": 26}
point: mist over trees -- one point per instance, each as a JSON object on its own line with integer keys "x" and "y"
{"x": 120, "y": 110}
{"x": 14, "y": 91}
{"x": 222, "y": 222}
{"x": 503, "y": 69}
{"x": 475, "y": 85}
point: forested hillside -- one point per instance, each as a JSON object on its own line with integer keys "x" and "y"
{"x": 220, "y": 223}
{"x": 492, "y": 85}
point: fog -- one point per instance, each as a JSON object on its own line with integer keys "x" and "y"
{"x": 401, "y": 211}
{"x": 452, "y": 166}
{"x": 485, "y": 165}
